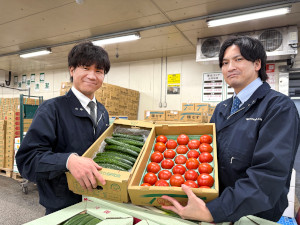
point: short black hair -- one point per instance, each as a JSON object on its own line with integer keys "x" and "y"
{"x": 251, "y": 49}
{"x": 87, "y": 54}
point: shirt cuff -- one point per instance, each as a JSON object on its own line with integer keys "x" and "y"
{"x": 74, "y": 153}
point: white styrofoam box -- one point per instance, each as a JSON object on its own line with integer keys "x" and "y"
{"x": 290, "y": 210}
{"x": 293, "y": 178}
{"x": 17, "y": 146}
{"x": 291, "y": 194}
{"x": 15, "y": 169}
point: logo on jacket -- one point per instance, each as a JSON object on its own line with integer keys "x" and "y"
{"x": 254, "y": 119}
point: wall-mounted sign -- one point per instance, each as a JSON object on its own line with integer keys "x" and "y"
{"x": 212, "y": 88}
{"x": 23, "y": 79}
{"x": 173, "y": 84}
{"x": 32, "y": 77}
{"x": 270, "y": 69}
{"x": 42, "y": 77}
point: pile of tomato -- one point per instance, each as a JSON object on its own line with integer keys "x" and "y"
{"x": 180, "y": 161}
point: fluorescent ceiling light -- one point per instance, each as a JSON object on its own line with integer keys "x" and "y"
{"x": 248, "y": 16}
{"x": 36, "y": 53}
{"x": 114, "y": 40}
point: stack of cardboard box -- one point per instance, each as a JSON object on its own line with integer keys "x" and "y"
{"x": 2, "y": 142}
{"x": 8, "y": 104}
{"x": 117, "y": 100}
{"x": 191, "y": 112}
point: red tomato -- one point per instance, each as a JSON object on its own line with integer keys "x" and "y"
{"x": 191, "y": 184}
{"x": 205, "y": 179}
{"x": 169, "y": 154}
{"x": 193, "y": 144}
{"x": 179, "y": 169}
{"x": 204, "y": 147}
{"x": 145, "y": 184}
{"x": 193, "y": 154}
{"x": 156, "y": 157}
{"x": 191, "y": 175}
{"x": 182, "y": 149}
{"x": 205, "y": 168}
{"x": 153, "y": 167}
{"x": 161, "y": 183}
{"x": 176, "y": 180}
{"x": 159, "y": 146}
{"x": 161, "y": 138}
{"x": 180, "y": 159}
{"x": 206, "y": 139}
{"x": 150, "y": 178}
{"x": 192, "y": 163}
{"x": 167, "y": 164}
{"x": 164, "y": 174}
{"x": 183, "y": 139}
{"x": 171, "y": 144}
{"x": 205, "y": 157}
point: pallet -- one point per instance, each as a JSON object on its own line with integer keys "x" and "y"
{"x": 6, "y": 172}
{"x": 17, "y": 176}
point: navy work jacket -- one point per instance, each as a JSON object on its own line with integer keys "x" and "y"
{"x": 256, "y": 149}
{"x": 61, "y": 126}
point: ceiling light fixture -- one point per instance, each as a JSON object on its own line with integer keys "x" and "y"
{"x": 36, "y": 53}
{"x": 246, "y": 16}
{"x": 113, "y": 40}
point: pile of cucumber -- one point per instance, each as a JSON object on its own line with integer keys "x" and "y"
{"x": 121, "y": 151}
{"x": 82, "y": 219}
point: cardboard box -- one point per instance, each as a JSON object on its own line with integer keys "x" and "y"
{"x": 188, "y": 107}
{"x": 145, "y": 195}
{"x": 115, "y": 188}
{"x": 172, "y": 115}
{"x": 202, "y": 107}
{"x": 191, "y": 116}
{"x": 109, "y": 216}
{"x": 154, "y": 215}
{"x": 154, "y": 115}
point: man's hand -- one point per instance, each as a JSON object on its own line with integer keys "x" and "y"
{"x": 195, "y": 209}
{"x": 85, "y": 171}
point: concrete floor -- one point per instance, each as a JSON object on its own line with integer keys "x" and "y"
{"x": 17, "y": 208}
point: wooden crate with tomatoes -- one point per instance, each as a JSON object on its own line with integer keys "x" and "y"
{"x": 177, "y": 154}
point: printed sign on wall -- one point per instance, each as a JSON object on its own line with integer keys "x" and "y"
{"x": 173, "y": 84}
{"x": 212, "y": 88}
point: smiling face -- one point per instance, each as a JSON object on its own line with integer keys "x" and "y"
{"x": 87, "y": 79}
{"x": 237, "y": 71}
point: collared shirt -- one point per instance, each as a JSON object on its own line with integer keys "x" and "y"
{"x": 246, "y": 93}
{"x": 84, "y": 100}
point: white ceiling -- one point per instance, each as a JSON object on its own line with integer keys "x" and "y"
{"x": 165, "y": 26}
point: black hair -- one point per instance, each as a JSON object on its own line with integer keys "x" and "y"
{"x": 251, "y": 49}
{"x": 87, "y": 54}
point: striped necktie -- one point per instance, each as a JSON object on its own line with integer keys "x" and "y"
{"x": 92, "y": 106}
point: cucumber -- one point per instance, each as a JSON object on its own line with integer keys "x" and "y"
{"x": 129, "y": 141}
{"x": 110, "y": 141}
{"x": 120, "y": 154}
{"x": 75, "y": 219}
{"x": 110, "y": 156}
{"x": 85, "y": 220}
{"x": 121, "y": 149}
{"x": 111, "y": 166}
{"x": 114, "y": 162}
{"x": 128, "y": 136}
{"x": 93, "y": 221}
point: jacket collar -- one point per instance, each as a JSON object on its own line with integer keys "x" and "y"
{"x": 75, "y": 105}
{"x": 226, "y": 105}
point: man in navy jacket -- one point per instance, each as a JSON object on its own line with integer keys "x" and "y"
{"x": 257, "y": 139}
{"x": 63, "y": 129}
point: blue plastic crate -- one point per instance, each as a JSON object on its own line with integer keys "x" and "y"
{"x": 287, "y": 221}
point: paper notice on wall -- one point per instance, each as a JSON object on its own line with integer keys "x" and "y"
{"x": 270, "y": 69}
{"x": 173, "y": 84}
{"x": 212, "y": 88}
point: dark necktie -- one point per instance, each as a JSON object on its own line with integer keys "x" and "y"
{"x": 92, "y": 106}
{"x": 235, "y": 105}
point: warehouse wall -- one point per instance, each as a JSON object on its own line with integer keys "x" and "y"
{"x": 144, "y": 76}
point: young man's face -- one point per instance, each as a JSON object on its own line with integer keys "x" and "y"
{"x": 87, "y": 79}
{"x": 237, "y": 71}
